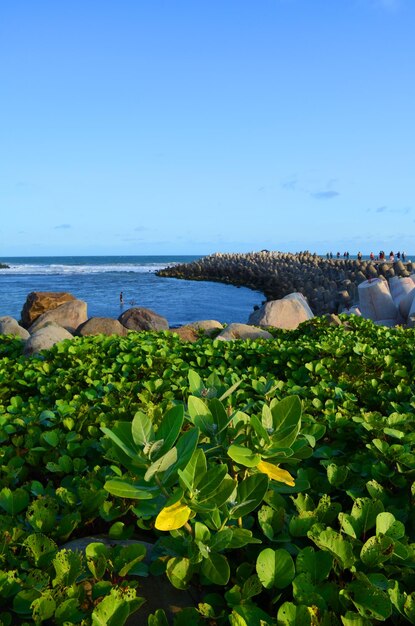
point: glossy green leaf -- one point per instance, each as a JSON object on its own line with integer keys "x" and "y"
{"x": 170, "y": 427}
{"x": 250, "y": 494}
{"x": 200, "y": 415}
{"x": 386, "y": 524}
{"x": 290, "y": 614}
{"x": 126, "y": 489}
{"x": 162, "y": 464}
{"x": 142, "y": 429}
{"x": 216, "y": 569}
{"x": 179, "y": 572}
{"x": 13, "y": 501}
{"x": 113, "y": 610}
{"x": 67, "y": 566}
{"x": 275, "y": 568}
{"x": 243, "y": 456}
{"x": 286, "y": 419}
{"x": 371, "y": 602}
{"x": 333, "y": 542}
{"x": 190, "y": 475}
{"x": 376, "y": 550}
{"x": 317, "y": 564}
{"x": 41, "y": 549}
{"x": 43, "y": 608}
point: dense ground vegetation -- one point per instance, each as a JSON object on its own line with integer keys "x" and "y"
{"x": 275, "y": 478}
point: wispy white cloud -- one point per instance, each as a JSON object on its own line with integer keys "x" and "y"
{"x": 318, "y": 190}
{"x": 384, "y": 209}
{"x": 324, "y": 195}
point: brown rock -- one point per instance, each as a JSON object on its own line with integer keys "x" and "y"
{"x": 101, "y": 326}
{"x": 38, "y": 302}
{"x": 186, "y": 333}
{"x": 139, "y": 318}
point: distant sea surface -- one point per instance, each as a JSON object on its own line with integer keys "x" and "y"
{"x": 98, "y": 280}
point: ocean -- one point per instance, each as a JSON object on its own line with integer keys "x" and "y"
{"x": 98, "y": 280}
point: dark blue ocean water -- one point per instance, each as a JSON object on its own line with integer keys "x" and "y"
{"x": 99, "y": 281}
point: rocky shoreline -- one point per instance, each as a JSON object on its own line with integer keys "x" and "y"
{"x": 328, "y": 284}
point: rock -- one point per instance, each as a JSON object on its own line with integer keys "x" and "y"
{"x": 157, "y": 590}
{"x": 400, "y": 288}
{"x": 333, "y": 320}
{"x": 46, "y": 337}
{"x": 38, "y": 302}
{"x": 371, "y": 271}
{"x": 388, "y": 323}
{"x": 375, "y": 300}
{"x": 69, "y": 315}
{"x": 286, "y": 313}
{"x": 242, "y": 331}
{"x": 411, "y": 315}
{"x": 399, "y": 268}
{"x": 160, "y": 594}
{"x": 139, "y": 318}
{"x": 208, "y": 326}
{"x": 344, "y": 297}
{"x": 101, "y": 326}
{"x": 352, "y": 310}
{"x": 405, "y": 304}
{"x": 277, "y": 274}
{"x": 10, "y": 326}
{"x": 186, "y": 333}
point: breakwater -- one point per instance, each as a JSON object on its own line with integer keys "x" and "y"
{"x": 328, "y": 284}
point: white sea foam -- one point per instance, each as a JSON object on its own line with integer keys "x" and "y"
{"x": 61, "y": 269}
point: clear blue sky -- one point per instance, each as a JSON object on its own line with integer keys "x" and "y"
{"x": 196, "y": 126}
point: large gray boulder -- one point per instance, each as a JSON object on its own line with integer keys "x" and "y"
{"x": 405, "y": 304}
{"x": 69, "y": 315}
{"x": 46, "y": 337}
{"x": 286, "y": 313}
{"x": 139, "y": 318}
{"x": 10, "y": 326}
{"x": 101, "y": 326}
{"x": 38, "y": 302}
{"x": 400, "y": 288}
{"x": 375, "y": 300}
{"x": 243, "y": 331}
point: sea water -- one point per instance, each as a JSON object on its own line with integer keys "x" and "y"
{"x": 99, "y": 280}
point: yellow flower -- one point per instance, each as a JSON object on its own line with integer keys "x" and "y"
{"x": 275, "y": 473}
{"x": 173, "y": 517}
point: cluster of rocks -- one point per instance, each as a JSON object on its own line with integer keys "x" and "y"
{"x": 328, "y": 284}
{"x": 49, "y": 317}
{"x": 387, "y": 303}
